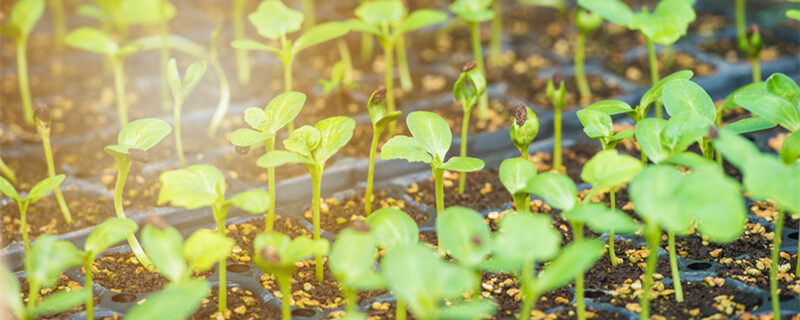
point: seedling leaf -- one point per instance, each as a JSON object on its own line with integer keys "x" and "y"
{"x": 608, "y": 169}
{"x": 282, "y": 109}
{"x": 165, "y": 249}
{"x": 48, "y": 258}
{"x": 108, "y": 233}
{"x": 25, "y": 14}
{"x": 574, "y": 259}
{"x": 517, "y": 175}
{"x": 244, "y": 137}
{"x": 431, "y": 132}
{"x": 204, "y": 248}
{"x": 420, "y": 19}
{"x": 615, "y": 11}
{"x": 770, "y": 107}
{"x": 393, "y": 228}
{"x": 600, "y": 218}
{"x": 335, "y": 132}
{"x": 556, "y": 189}
{"x": 352, "y": 258}
{"x": 404, "y": 147}
{"x": 463, "y": 233}
{"x": 176, "y": 301}
{"x": 686, "y": 96}
{"x": 463, "y": 164}
{"x": 143, "y": 133}
{"x": 668, "y": 22}
{"x": 319, "y": 34}
{"x": 58, "y": 302}
{"x": 192, "y": 187}
{"x": 274, "y": 20}
{"x": 93, "y": 40}
{"x": 8, "y": 189}
{"x": 524, "y": 237}
{"x": 42, "y": 188}
{"x": 254, "y": 201}
{"x": 278, "y": 158}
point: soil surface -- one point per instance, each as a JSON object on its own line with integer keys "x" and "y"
{"x": 122, "y": 273}
{"x": 638, "y": 69}
{"x": 483, "y": 191}
{"x": 242, "y": 304}
{"x": 244, "y": 167}
{"x": 336, "y": 214}
{"x": 774, "y": 47}
{"x": 245, "y": 233}
{"x": 63, "y": 283}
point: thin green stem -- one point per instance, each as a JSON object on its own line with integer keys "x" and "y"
{"x": 668, "y": 57}
{"x": 557, "y": 139}
{"x": 163, "y": 29}
{"x": 756, "y": 69}
{"x": 495, "y": 42}
{"x": 242, "y": 59}
{"x": 388, "y": 80}
{"x": 438, "y": 176}
{"x": 673, "y": 265}
{"x": 526, "y": 279}
{"x": 33, "y": 293}
{"x": 23, "y": 227}
{"x": 580, "y": 73}
{"x": 347, "y": 61}
{"x": 222, "y": 291}
{"x": 287, "y": 86}
{"x": 740, "y": 19}
{"x": 477, "y": 54}
{"x": 773, "y": 265}
{"x": 612, "y": 254}
{"x": 316, "y": 181}
{"x": 373, "y": 148}
{"x": 367, "y": 47}
{"x": 270, "y": 146}
{"x": 44, "y": 132}
{"x": 285, "y": 282}
{"x": 123, "y": 167}
{"x": 352, "y": 299}
{"x": 119, "y": 90}
{"x": 59, "y": 24}
{"x": 580, "y": 307}
{"x": 402, "y": 65}
{"x": 87, "y": 271}
{"x": 462, "y": 176}
{"x": 224, "y": 90}
{"x": 653, "y": 240}
{"x": 311, "y": 16}
{"x": 654, "y": 77}
{"x": 22, "y": 77}
{"x": 178, "y": 141}
{"x": 8, "y": 172}
{"x": 522, "y": 202}
{"x": 400, "y": 309}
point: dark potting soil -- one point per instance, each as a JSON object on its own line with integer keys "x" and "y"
{"x": 768, "y": 212}
{"x": 701, "y": 300}
{"x": 336, "y": 214}
{"x": 569, "y": 313}
{"x": 537, "y": 206}
{"x": 755, "y": 272}
{"x": 504, "y": 291}
{"x": 755, "y": 243}
{"x": 573, "y": 159}
{"x": 242, "y": 304}
{"x": 28, "y": 171}
{"x": 561, "y": 36}
{"x": 384, "y": 310}
{"x": 483, "y": 191}
{"x": 638, "y": 70}
{"x": 63, "y": 283}
{"x": 728, "y": 48}
{"x": 44, "y": 216}
{"x": 244, "y": 167}
{"x": 244, "y": 234}
{"x": 141, "y": 191}
{"x": 605, "y": 276}
{"x": 121, "y": 272}
{"x": 307, "y": 292}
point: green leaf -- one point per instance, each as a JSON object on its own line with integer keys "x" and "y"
{"x": 49, "y": 258}
{"x": 770, "y": 107}
{"x": 58, "y": 302}
{"x": 765, "y": 177}
{"x": 615, "y": 11}
{"x": 25, "y": 14}
{"x": 622, "y": 135}
{"x": 174, "y": 79}
{"x": 608, "y": 169}
{"x": 8, "y": 189}
{"x": 283, "y": 109}
{"x": 793, "y": 13}
{"x": 525, "y": 237}
{"x": 143, "y": 133}
{"x": 716, "y": 202}
{"x": 648, "y": 135}
{"x": 165, "y": 249}
{"x": 254, "y": 201}
{"x": 610, "y": 107}
{"x": 781, "y": 85}
{"x": 93, "y": 40}
{"x": 256, "y": 118}
{"x": 683, "y": 130}
{"x": 9, "y": 290}
{"x": 464, "y": 235}
{"x": 655, "y": 194}
{"x": 288, "y": 251}
{"x": 668, "y": 22}
{"x": 176, "y": 301}
{"x": 127, "y": 50}
{"x": 404, "y": 147}
{"x": 556, "y": 189}
{"x": 192, "y": 187}
{"x": 736, "y": 149}
{"x": 431, "y": 132}
{"x": 686, "y": 96}
{"x": 303, "y": 140}
{"x": 601, "y": 219}
{"x": 751, "y": 124}
{"x": 278, "y": 158}
{"x": 574, "y": 259}
{"x": 117, "y": 151}
{"x": 145, "y": 12}
{"x": 791, "y": 149}
{"x": 247, "y": 44}
{"x": 393, "y": 228}
{"x": 596, "y": 124}
{"x": 463, "y": 164}
{"x": 353, "y": 255}
{"x": 42, "y": 188}
{"x": 175, "y": 42}
{"x": 468, "y": 88}
{"x": 690, "y": 160}
{"x": 728, "y": 103}
{"x": 204, "y": 248}
{"x": 517, "y": 175}
{"x": 654, "y": 93}
{"x": 362, "y": 26}
{"x": 381, "y": 12}
{"x": 468, "y": 310}
{"x": 319, "y": 34}
{"x": 388, "y": 118}
{"x": 273, "y": 19}
{"x": 108, "y": 233}
{"x": 474, "y": 11}
{"x": 192, "y": 77}
{"x": 335, "y": 133}
{"x": 243, "y": 137}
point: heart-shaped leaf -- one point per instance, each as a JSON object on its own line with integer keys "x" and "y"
{"x": 464, "y": 235}
{"x": 608, "y": 169}
{"x": 108, "y": 233}
{"x": 192, "y": 187}
{"x": 431, "y": 132}
{"x": 525, "y": 238}
{"x": 404, "y": 147}
{"x": 353, "y": 256}
{"x": 686, "y": 96}
{"x": 204, "y": 248}
{"x": 335, "y": 133}
{"x": 254, "y": 201}
{"x": 517, "y": 175}
{"x": 556, "y": 189}
{"x": 283, "y": 109}
{"x": 273, "y": 19}
{"x": 393, "y": 228}
{"x": 596, "y": 124}
{"x": 143, "y": 133}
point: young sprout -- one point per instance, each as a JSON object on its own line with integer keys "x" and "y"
{"x": 43, "y": 264}
{"x": 42, "y": 115}
{"x": 517, "y": 175}
{"x": 379, "y": 118}
{"x": 21, "y": 20}
{"x": 277, "y": 254}
{"x": 429, "y": 142}
{"x": 180, "y": 90}
{"x": 103, "y": 236}
{"x": 523, "y": 129}
{"x": 97, "y": 41}
{"x": 558, "y": 98}
{"x": 665, "y": 25}
{"x": 524, "y": 240}
{"x": 41, "y": 189}
{"x": 474, "y": 12}
{"x": 340, "y": 79}
{"x": 352, "y": 261}
{"x": 200, "y": 186}
{"x": 313, "y": 146}
{"x": 242, "y": 60}
{"x": 388, "y": 21}
{"x": 464, "y": 235}
{"x": 469, "y": 87}
{"x": 775, "y": 102}
{"x": 224, "y": 86}
{"x": 8, "y": 172}
{"x": 275, "y": 21}
{"x": 751, "y": 44}
{"x": 587, "y": 22}
{"x": 767, "y": 177}
{"x": 308, "y": 10}
{"x": 132, "y": 144}
{"x": 266, "y": 123}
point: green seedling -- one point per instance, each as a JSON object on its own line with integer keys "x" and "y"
{"x": 429, "y": 142}
{"x": 469, "y": 87}
{"x": 558, "y": 98}
{"x": 751, "y": 44}
{"x": 464, "y": 236}
{"x": 587, "y": 22}
{"x": 339, "y": 80}
{"x": 275, "y": 21}
{"x": 8, "y": 172}
{"x": 767, "y": 177}
{"x": 21, "y": 20}
{"x": 48, "y": 259}
{"x": 517, "y": 176}
{"x": 352, "y": 259}
{"x": 102, "y": 237}
{"x": 180, "y": 90}
{"x": 117, "y": 16}
{"x": 42, "y": 115}
{"x": 773, "y": 102}
{"x": 680, "y": 202}
{"x": 276, "y": 254}
{"x": 313, "y": 146}
{"x": 605, "y": 170}
{"x": 265, "y": 125}
{"x": 132, "y": 144}
{"x": 379, "y": 118}
{"x": 308, "y": 10}
{"x": 524, "y": 240}
{"x": 242, "y": 60}
{"x": 41, "y": 189}
{"x": 473, "y": 12}
{"x": 666, "y": 24}
{"x": 204, "y": 186}
{"x": 97, "y": 41}
{"x": 523, "y": 129}
{"x": 388, "y": 21}
{"x": 224, "y": 86}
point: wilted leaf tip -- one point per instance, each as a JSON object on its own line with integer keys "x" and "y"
{"x": 468, "y": 66}
{"x": 379, "y": 95}
{"x": 42, "y": 113}
{"x": 520, "y": 114}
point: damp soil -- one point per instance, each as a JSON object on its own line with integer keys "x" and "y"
{"x": 727, "y": 48}
{"x": 573, "y": 159}
{"x": 605, "y": 276}
{"x": 504, "y": 291}
{"x": 336, "y": 214}
{"x": 244, "y": 234}
{"x": 243, "y": 167}
{"x": 44, "y": 216}
{"x": 122, "y": 273}
{"x": 638, "y": 69}
{"x": 755, "y": 272}
{"x": 63, "y": 283}
{"x": 483, "y": 191}
{"x": 242, "y": 304}
{"x": 384, "y": 310}
{"x": 755, "y": 243}
{"x": 569, "y": 313}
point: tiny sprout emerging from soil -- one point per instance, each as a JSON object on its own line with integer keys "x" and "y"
{"x": 42, "y": 116}
{"x": 587, "y": 22}
{"x": 180, "y": 90}
{"x": 473, "y": 12}
{"x": 43, "y": 264}
{"x": 21, "y": 20}
{"x": 41, "y": 189}
{"x": 97, "y": 41}
{"x": 204, "y": 186}
{"x": 558, "y": 97}
{"x": 265, "y": 124}
{"x": 276, "y": 254}
{"x": 132, "y": 143}
{"x": 751, "y": 44}
{"x": 524, "y": 129}
{"x": 313, "y": 146}
{"x": 275, "y": 21}
{"x": 517, "y": 176}
{"x": 429, "y": 142}
{"x": 389, "y": 20}
{"x": 380, "y": 118}
{"x": 469, "y": 88}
